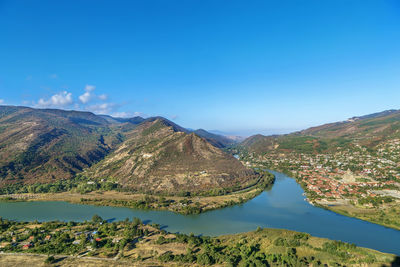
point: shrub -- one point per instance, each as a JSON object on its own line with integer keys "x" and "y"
{"x": 50, "y": 260}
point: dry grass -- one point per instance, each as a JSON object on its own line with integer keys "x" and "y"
{"x": 27, "y": 260}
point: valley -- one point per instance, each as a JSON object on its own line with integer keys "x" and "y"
{"x": 350, "y": 167}
{"x": 199, "y": 133}
{"x": 156, "y": 166}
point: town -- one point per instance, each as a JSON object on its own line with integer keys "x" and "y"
{"x": 352, "y": 175}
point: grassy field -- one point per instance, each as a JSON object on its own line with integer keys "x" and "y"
{"x": 387, "y": 214}
{"x": 323, "y": 251}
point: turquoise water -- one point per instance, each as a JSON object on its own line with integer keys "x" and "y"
{"x": 281, "y": 207}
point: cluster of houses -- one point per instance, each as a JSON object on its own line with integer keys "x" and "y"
{"x": 343, "y": 173}
{"x": 324, "y": 185}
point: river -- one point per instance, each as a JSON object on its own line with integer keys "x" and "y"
{"x": 283, "y": 206}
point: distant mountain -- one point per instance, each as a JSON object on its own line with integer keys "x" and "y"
{"x": 378, "y": 125}
{"x": 160, "y": 156}
{"x": 133, "y": 120}
{"x": 233, "y": 137}
{"x": 154, "y": 154}
{"x": 374, "y": 115}
{"x": 368, "y": 130}
{"x": 215, "y": 139}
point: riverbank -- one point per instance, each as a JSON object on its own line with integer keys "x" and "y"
{"x": 386, "y": 214}
{"x": 132, "y": 243}
{"x": 178, "y": 204}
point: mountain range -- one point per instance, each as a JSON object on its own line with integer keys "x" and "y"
{"x": 369, "y": 131}
{"x": 153, "y": 154}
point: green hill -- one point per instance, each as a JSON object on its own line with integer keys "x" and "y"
{"x": 368, "y": 131}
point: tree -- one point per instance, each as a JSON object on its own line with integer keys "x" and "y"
{"x": 97, "y": 219}
{"x": 50, "y": 259}
{"x": 136, "y": 221}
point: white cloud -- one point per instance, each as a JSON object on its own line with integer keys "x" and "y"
{"x": 88, "y": 101}
{"x": 54, "y": 76}
{"x": 1, "y": 101}
{"x": 103, "y": 97}
{"x": 60, "y": 100}
{"x": 124, "y": 114}
{"x": 85, "y": 97}
{"x": 103, "y": 108}
{"x": 121, "y": 114}
{"x": 89, "y": 95}
{"x": 89, "y": 88}
{"x": 140, "y": 114}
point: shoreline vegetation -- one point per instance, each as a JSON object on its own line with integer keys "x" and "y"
{"x": 132, "y": 243}
{"x": 184, "y": 203}
{"x": 384, "y": 216}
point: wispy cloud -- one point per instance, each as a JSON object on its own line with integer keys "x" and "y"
{"x": 124, "y": 114}
{"x": 89, "y": 88}
{"x": 54, "y": 76}
{"x": 103, "y": 97}
{"x": 88, "y": 101}
{"x": 121, "y": 114}
{"x": 58, "y": 100}
{"x": 102, "y": 108}
{"x": 89, "y": 95}
{"x": 1, "y": 101}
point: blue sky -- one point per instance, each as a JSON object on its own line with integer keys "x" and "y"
{"x": 241, "y": 67}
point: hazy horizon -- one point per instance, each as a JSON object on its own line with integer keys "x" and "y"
{"x": 231, "y": 132}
